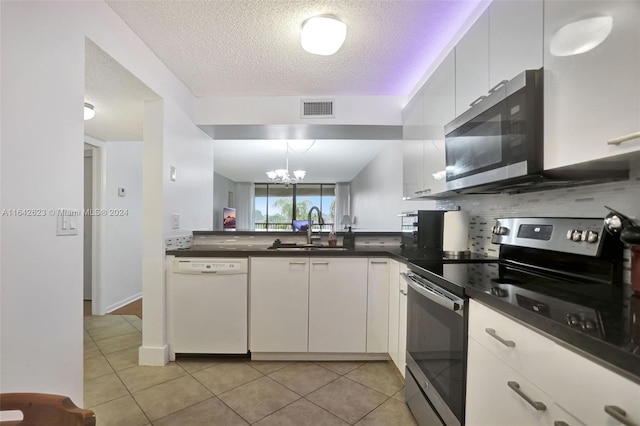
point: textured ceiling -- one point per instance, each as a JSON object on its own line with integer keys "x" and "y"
{"x": 252, "y": 47}
{"x": 117, "y": 95}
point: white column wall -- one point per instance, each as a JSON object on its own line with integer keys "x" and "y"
{"x": 42, "y": 137}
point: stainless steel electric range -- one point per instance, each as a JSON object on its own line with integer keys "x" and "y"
{"x": 563, "y": 275}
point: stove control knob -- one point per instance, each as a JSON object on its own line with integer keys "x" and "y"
{"x": 588, "y": 325}
{"x": 573, "y": 320}
{"x": 574, "y": 235}
{"x": 590, "y": 236}
{"x": 500, "y": 292}
{"x": 499, "y": 230}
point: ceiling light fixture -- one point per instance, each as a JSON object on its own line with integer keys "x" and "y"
{"x": 323, "y": 34}
{"x": 283, "y": 176}
{"x": 89, "y": 112}
{"x": 581, "y": 36}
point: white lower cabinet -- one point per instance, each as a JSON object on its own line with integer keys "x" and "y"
{"x": 378, "y": 306}
{"x": 394, "y": 311}
{"x": 402, "y": 322}
{"x": 498, "y": 395}
{"x": 502, "y": 350}
{"x": 279, "y": 289}
{"x": 338, "y": 305}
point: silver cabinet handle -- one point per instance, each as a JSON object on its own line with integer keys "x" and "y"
{"x": 535, "y": 404}
{"x": 319, "y": 263}
{"x": 378, "y": 262}
{"x": 494, "y": 88}
{"x": 509, "y": 343}
{"x": 477, "y": 100}
{"x": 560, "y": 423}
{"x": 402, "y": 292}
{"x": 625, "y": 138}
{"x": 297, "y": 263}
{"x": 619, "y": 414}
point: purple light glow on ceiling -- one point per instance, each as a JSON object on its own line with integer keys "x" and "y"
{"x": 443, "y": 19}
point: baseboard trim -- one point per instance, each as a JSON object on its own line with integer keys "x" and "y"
{"x": 150, "y": 355}
{"x": 124, "y": 302}
{"x": 317, "y": 356}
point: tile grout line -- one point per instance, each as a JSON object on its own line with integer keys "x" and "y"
{"x": 120, "y": 379}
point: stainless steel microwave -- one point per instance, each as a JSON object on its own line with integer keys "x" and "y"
{"x": 500, "y": 138}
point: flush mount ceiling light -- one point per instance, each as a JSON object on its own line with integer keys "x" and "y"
{"x": 323, "y": 34}
{"x": 89, "y": 112}
{"x": 580, "y": 36}
{"x": 282, "y": 175}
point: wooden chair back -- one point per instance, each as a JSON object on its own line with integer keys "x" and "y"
{"x": 41, "y": 409}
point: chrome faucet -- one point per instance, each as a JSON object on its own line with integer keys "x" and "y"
{"x": 320, "y": 222}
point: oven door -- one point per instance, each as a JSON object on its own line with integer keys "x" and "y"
{"x": 436, "y": 347}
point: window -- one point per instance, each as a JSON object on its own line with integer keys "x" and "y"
{"x": 277, "y": 206}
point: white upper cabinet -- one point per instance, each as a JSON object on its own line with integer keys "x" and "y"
{"x": 439, "y": 109}
{"x": 413, "y": 137}
{"x": 515, "y": 38}
{"x": 472, "y": 64}
{"x": 594, "y": 96}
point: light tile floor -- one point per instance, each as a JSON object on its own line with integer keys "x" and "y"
{"x": 232, "y": 391}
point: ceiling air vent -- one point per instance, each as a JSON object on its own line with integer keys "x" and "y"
{"x": 317, "y": 109}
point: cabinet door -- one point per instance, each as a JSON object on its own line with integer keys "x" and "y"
{"x": 394, "y": 311}
{"x": 472, "y": 64}
{"x": 411, "y": 168}
{"x": 279, "y": 304}
{"x": 338, "y": 305}
{"x": 413, "y": 137}
{"x": 492, "y": 401}
{"x": 402, "y": 319}
{"x": 515, "y": 38}
{"x": 587, "y": 394}
{"x": 591, "y": 97}
{"x": 439, "y": 109}
{"x": 378, "y": 306}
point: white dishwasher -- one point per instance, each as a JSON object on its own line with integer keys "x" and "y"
{"x": 207, "y": 306}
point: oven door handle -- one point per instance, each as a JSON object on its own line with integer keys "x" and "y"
{"x": 451, "y": 304}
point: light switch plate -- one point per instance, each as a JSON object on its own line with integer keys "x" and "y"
{"x": 173, "y": 174}
{"x": 66, "y": 225}
{"x": 121, "y": 192}
{"x": 175, "y": 221}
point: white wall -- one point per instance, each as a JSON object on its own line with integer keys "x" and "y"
{"x": 42, "y": 136}
{"x": 123, "y": 240}
{"x": 221, "y": 188}
{"x": 376, "y": 193}
{"x": 190, "y": 151}
{"x": 42, "y": 168}
{"x": 373, "y": 110}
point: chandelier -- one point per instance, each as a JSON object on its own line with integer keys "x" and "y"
{"x": 283, "y": 176}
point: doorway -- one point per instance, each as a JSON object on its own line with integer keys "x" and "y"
{"x": 87, "y": 235}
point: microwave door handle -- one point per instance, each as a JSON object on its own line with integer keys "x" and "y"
{"x": 442, "y": 301}
{"x": 481, "y": 98}
{"x": 497, "y": 86}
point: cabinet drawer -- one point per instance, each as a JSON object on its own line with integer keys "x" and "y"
{"x": 526, "y": 351}
{"x": 498, "y": 395}
{"x": 585, "y": 388}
